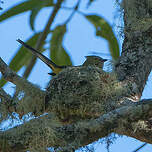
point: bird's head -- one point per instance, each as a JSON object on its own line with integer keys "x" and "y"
{"x": 94, "y": 61}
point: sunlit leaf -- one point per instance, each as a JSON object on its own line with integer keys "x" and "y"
{"x": 104, "y": 30}
{"x": 22, "y": 57}
{"x": 23, "y": 7}
{"x": 58, "y": 53}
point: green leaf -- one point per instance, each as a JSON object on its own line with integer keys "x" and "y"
{"x": 23, "y": 7}
{"x": 22, "y": 57}
{"x": 104, "y": 30}
{"x": 36, "y": 10}
{"x": 61, "y": 57}
{"x": 34, "y": 13}
{"x": 58, "y": 53}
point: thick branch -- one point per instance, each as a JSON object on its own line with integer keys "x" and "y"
{"x": 88, "y": 132}
{"x": 135, "y": 62}
{"x": 11, "y": 76}
{"x": 75, "y": 135}
{"x": 5, "y": 104}
{"x": 32, "y": 92}
{"x": 4, "y": 95}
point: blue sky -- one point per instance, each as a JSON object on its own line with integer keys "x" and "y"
{"x": 80, "y": 41}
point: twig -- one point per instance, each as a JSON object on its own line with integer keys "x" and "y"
{"x": 139, "y": 148}
{"x": 70, "y": 8}
{"x": 73, "y": 12}
{"x": 43, "y": 36}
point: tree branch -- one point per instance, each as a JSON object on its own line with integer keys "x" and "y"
{"x": 4, "y": 95}
{"x": 5, "y": 104}
{"x": 135, "y": 62}
{"x": 73, "y": 12}
{"x": 32, "y": 92}
{"x": 74, "y": 135}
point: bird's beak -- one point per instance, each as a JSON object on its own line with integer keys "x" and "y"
{"x": 53, "y": 74}
{"x": 104, "y": 60}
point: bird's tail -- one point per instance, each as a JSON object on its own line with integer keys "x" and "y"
{"x": 46, "y": 60}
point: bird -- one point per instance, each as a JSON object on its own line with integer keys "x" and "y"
{"x": 93, "y": 60}
{"x": 90, "y": 60}
{"x": 55, "y": 68}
